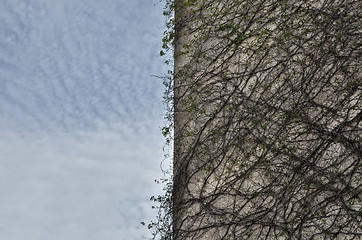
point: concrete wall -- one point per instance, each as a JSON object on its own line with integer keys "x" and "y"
{"x": 257, "y": 117}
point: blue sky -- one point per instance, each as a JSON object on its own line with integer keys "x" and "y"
{"x": 80, "y": 118}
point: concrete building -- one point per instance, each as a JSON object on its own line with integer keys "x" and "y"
{"x": 268, "y": 100}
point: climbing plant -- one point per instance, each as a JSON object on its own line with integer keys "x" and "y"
{"x": 265, "y": 107}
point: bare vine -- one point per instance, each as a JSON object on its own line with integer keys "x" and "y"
{"x": 267, "y": 112}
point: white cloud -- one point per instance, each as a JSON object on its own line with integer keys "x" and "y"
{"x": 78, "y": 186}
{"x": 79, "y": 117}
{"x": 78, "y": 64}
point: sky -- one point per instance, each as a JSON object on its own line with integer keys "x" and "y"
{"x": 80, "y": 118}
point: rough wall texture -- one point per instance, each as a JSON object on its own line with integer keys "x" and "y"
{"x": 268, "y": 120}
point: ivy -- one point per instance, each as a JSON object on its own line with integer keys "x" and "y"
{"x": 266, "y": 100}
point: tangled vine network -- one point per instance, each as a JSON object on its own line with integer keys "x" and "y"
{"x": 266, "y": 100}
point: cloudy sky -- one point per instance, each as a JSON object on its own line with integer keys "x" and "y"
{"x": 80, "y": 118}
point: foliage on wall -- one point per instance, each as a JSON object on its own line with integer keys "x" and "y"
{"x": 265, "y": 102}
